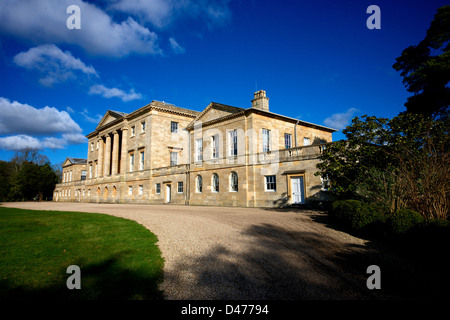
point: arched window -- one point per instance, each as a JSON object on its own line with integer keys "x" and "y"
{"x": 233, "y": 182}
{"x": 215, "y": 183}
{"x": 199, "y": 183}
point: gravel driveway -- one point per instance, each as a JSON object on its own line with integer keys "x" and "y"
{"x": 253, "y": 253}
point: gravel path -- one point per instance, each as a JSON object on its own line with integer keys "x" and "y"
{"x": 253, "y": 253}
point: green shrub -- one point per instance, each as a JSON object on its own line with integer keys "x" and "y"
{"x": 357, "y": 214}
{"x": 404, "y": 219}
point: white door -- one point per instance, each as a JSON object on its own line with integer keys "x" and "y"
{"x": 297, "y": 190}
{"x": 167, "y": 193}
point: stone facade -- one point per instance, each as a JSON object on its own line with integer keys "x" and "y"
{"x": 73, "y": 180}
{"x": 223, "y": 155}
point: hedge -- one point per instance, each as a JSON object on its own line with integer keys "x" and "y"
{"x": 357, "y": 214}
{"x": 404, "y": 219}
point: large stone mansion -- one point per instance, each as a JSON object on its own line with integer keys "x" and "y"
{"x": 224, "y": 155}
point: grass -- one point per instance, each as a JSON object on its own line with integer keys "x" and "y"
{"x": 118, "y": 258}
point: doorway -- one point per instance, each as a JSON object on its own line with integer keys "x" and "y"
{"x": 168, "y": 193}
{"x": 297, "y": 189}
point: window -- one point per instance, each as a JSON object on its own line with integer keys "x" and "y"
{"x": 271, "y": 183}
{"x": 158, "y": 188}
{"x": 143, "y": 127}
{"x": 287, "y": 140}
{"x": 90, "y": 172}
{"x": 141, "y": 160}
{"x": 133, "y": 131}
{"x": 83, "y": 173}
{"x": 130, "y": 189}
{"x": 180, "y": 187}
{"x": 266, "y": 140}
{"x": 174, "y": 127}
{"x": 96, "y": 169}
{"x": 215, "y": 146}
{"x": 173, "y": 158}
{"x": 92, "y": 146}
{"x": 89, "y": 192}
{"x": 215, "y": 183}
{"x": 306, "y": 141}
{"x": 199, "y": 149}
{"x": 199, "y": 184}
{"x": 131, "y": 161}
{"x": 141, "y": 189}
{"x": 97, "y": 145}
{"x": 234, "y": 182}
{"x": 70, "y": 179}
{"x": 233, "y": 142}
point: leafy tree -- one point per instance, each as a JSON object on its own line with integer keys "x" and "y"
{"x": 397, "y": 163}
{"x": 5, "y": 174}
{"x": 346, "y": 161}
{"x": 425, "y": 69}
{"x": 31, "y": 175}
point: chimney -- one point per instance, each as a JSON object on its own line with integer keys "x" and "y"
{"x": 260, "y": 101}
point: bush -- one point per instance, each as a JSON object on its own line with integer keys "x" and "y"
{"x": 357, "y": 214}
{"x": 404, "y": 219}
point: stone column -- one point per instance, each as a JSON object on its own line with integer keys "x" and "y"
{"x": 115, "y": 153}
{"x": 100, "y": 158}
{"x": 123, "y": 165}
{"x": 107, "y": 163}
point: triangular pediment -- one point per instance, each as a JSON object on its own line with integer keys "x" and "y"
{"x": 215, "y": 111}
{"x": 67, "y": 162}
{"x": 110, "y": 116}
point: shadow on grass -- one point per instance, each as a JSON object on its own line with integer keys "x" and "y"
{"x": 102, "y": 281}
{"x": 282, "y": 264}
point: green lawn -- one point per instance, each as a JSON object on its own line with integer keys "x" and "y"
{"x": 118, "y": 258}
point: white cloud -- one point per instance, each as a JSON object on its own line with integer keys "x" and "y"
{"x": 90, "y": 119}
{"x": 157, "y": 12}
{"x": 44, "y": 21}
{"x": 340, "y": 120}
{"x": 53, "y": 63}
{"x": 177, "y": 49}
{"x": 114, "y": 93}
{"x": 29, "y": 127}
{"x": 161, "y": 13}
{"x": 18, "y": 118}
{"x": 19, "y": 142}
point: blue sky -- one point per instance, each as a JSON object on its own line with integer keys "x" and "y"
{"x": 317, "y": 61}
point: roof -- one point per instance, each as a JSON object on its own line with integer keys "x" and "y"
{"x": 77, "y": 160}
{"x": 171, "y": 107}
{"x": 74, "y": 161}
{"x": 293, "y": 119}
{"x": 214, "y": 105}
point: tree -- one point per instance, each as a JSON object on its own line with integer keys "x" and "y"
{"x": 5, "y": 174}
{"x": 425, "y": 69}
{"x": 31, "y": 175}
{"x": 346, "y": 161}
{"x": 397, "y": 163}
